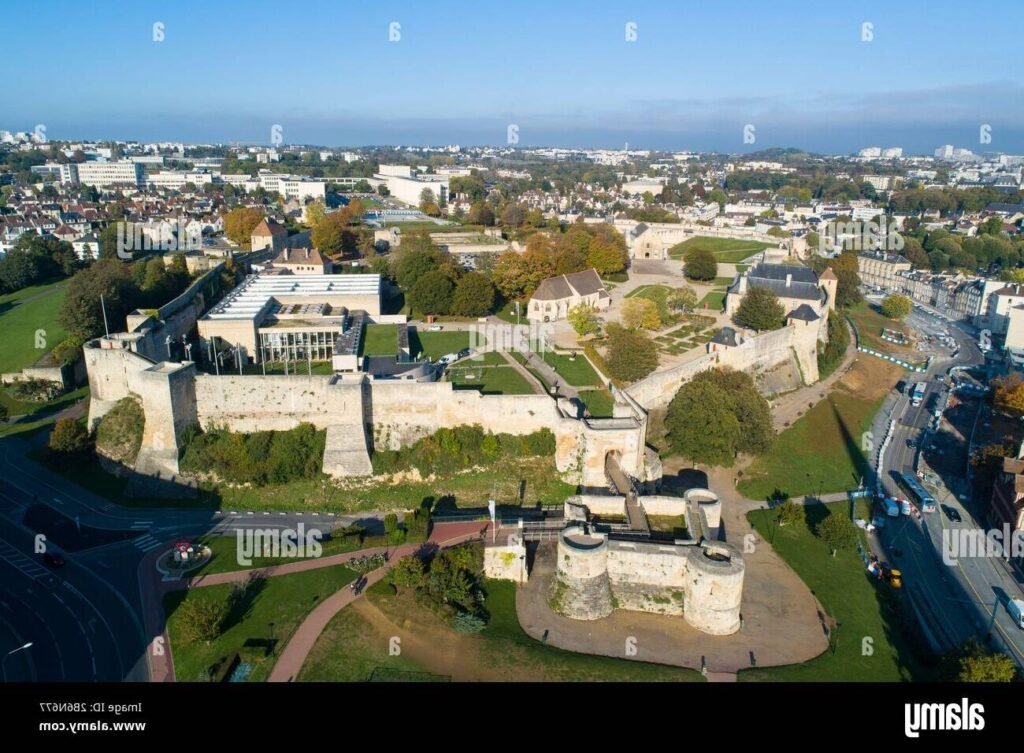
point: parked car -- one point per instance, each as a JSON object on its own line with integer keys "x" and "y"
{"x": 434, "y": 328}
{"x": 53, "y": 559}
{"x": 952, "y": 514}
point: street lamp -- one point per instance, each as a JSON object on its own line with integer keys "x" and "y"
{"x": 3, "y": 662}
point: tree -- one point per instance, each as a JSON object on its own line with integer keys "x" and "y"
{"x": 417, "y": 257}
{"x": 606, "y": 258}
{"x": 896, "y": 306}
{"x": 200, "y": 619}
{"x": 239, "y": 224}
{"x": 513, "y": 216}
{"x": 717, "y": 415}
{"x": 480, "y": 214}
{"x": 682, "y": 299}
{"x": 831, "y": 355}
{"x": 760, "y": 310}
{"x": 991, "y": 226}
{"x": 631, "y": 355}
{"x": 975, "y": 663}
{"x": 474, "y": 295}
{"x": 640, "y": 313}
{"x": 81, "y": 314}
{"x": 915, "y": 253}
{"x": 838, "y": 532}
{"x": 390, "y": 522}
{"x": 700, "y": 265}
{"x": 583, "y": 319}
{"x": 1008, "y": 394}
{"x": 329, "y": 232}
{"x": 848, "y": 281}
{"x": 315, "y": 213}
{"x": 790, "y": 513}
{"x": 428, "y": 203}
{"x": 69, "y": 438}
{"x": 432, "y": 294}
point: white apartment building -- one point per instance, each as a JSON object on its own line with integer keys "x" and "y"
{"x": 103, "y": 174}
{"x": 175, "y": 180}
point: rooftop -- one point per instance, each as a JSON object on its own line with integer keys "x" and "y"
{"x": 258, "y": 291}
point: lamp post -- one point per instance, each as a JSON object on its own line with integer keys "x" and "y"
{"x": 3, "y": 662}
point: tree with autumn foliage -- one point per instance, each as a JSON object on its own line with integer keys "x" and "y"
{"x": 1008, "y": 394}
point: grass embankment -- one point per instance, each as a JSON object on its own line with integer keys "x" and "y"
{"x": 868, "y": 645}
{"x": 823, "y": 450}
{"x": 267, "y": 613}
{"x": 355, "y": 646}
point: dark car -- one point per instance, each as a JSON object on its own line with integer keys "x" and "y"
{"x": 912, "y": 443}
{"x": 54, "y": 559}
{"x": 952, "y": 514}
{"x": 464, "y": 352}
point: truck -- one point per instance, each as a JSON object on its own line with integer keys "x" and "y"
{"x": 1015, "y": 608}
{"x": 917, "y": 394}
{"x": 892, "y": 507}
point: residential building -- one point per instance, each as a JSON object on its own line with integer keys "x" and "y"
{"x": 269, "y": 234}
{"x": 999, "y": 304}
{"x": 107, "y": 174}
{"x": 881, "y": 270}
{"x": 302, "y": 261}
{"x": 793, "y": 284}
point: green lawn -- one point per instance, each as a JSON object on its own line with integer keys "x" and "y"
{"x": 599, "y": 402}
{"x": 349, "y": 650}
{"x": 866, "y": 611}
{"x": 869, "y": 322}
{"x": 575, "y": 371}
{"x": 507, "y": 644}
{"x": 30, "y": 328}
{"x": 713, "y": 301}
{"x": 490, "y": 380}
{"x": 433, "y": 345}
{"x": 821, "y": 451}
{"x": 269, "y": 611}
{"x": 727, "y": 250}
{"x": 379, "y": 340}
{"x": 225, "y": 550}
{"x": 36, "y": 415}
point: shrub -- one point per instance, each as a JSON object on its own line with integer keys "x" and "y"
{"x": 264, "y": 457}
{"x": 70, "y": 439}
{"x": 119, "y": 434}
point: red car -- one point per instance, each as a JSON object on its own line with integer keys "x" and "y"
{"x": 54, "y": 559}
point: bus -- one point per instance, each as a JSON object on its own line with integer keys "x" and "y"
{"x": 917, "y": 395}
{"x": 921, "y": 497}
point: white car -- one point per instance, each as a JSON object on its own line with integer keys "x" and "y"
{"x": 435, "y": 328}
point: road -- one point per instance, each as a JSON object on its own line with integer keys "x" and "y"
{"x": 86, "y": 619}
{"x": 955, "y": 601}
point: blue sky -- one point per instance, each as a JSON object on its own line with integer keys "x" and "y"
{"x": 563, "y": 72}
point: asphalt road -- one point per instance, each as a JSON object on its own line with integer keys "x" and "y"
{"x": 955, "y": 601}
{"x": 84, "y": 619}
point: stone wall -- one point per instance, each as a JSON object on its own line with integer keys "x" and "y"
{"x": 703, "y": 584}
{"x": 754, "y": 355}
{"x": 506, "y": 561}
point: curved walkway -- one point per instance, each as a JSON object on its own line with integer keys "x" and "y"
{"x": 305, "y": 636}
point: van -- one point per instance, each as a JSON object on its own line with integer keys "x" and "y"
{"x": 1015, "y": 608}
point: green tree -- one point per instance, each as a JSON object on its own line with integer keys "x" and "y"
{"x": 717, "y": 415}
{"x": 432, "y": 293}
{"x": 896, "y": 306}
{"x": 760, "y": 310}
{"x": 790, "y": 513}
{"x": 69, "y": 438}
{"x": 408, "y": 572}
{"x": 390, "y": 522}
{"x": 583, "y": 319}
{"x": 837, "y": 532}
{"x": 915, "y": 253}
{"x": 700, "y": 265}
{"x": 831, "y": 355}
{"x": 200, "y": 619}
{"x": 428, "y": 203}
{"x": 682, "y": 299}
{"x": 81, "y": 314}
{"x": 474, "y": 295}
{"x": 329, "y": 233}
{"x": 631, "y": 355}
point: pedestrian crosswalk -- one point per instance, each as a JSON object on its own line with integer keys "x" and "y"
{"x": 146, "y": 543}
{"x": 141, "y": 525}
{"x": 22, "y": 562}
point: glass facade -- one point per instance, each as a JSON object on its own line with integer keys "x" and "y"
{"x": 313, "y": 345}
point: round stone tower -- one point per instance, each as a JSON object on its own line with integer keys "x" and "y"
{"x": 582, "y": 590}
{"x": 714, "y": 588}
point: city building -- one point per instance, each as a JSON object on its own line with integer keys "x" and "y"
{"x": 881, "y": 270}
{"x": 302, "y": 261}
{"x": 104, "y": 174}
{"x": 999, "y": 304}
{"x": 269, "y": 234}
{"x": 794, "y": 285}
{"x": 273, "y": 317}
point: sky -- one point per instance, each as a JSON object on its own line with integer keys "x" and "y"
{"x": 686, "y": 75}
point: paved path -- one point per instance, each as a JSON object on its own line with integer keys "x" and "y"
{"x": 305, "y": 636}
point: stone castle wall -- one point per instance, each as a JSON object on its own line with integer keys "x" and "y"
{"x": 703, "y": 584}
